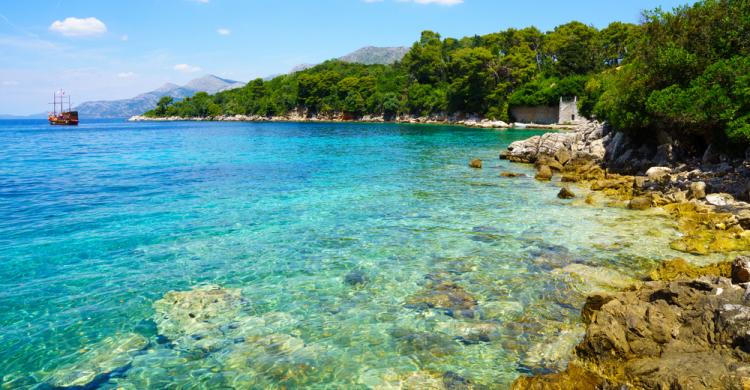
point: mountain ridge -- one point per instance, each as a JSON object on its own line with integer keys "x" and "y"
{"x": 123, "y": 108}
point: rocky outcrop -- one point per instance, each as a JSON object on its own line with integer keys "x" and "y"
{"x": 682, "y": 334}
{"x": 586, "y": 141}
{"x": 475, "y": 163}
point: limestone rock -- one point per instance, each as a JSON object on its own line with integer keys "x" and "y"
{"x": 565, "y": 193}
{"x": 512, "y": 174}
{"x": 640, "y": 203}
{"x": 679, "y": 269}
{"x": 562, "y": 156}
{"x": 476, "y": 163}
{"x": 698, "y": 190}
{"x": 719, "y": 199}
{"x": 672, "y": 335}
{"x": 658, "y": 174}
{"x": 544, "y": 173}
{"x": 523, "y": 151}
{"x": 587, "y": 140}
{"x": 741, "y": 270}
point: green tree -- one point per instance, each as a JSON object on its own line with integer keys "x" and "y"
{"x": 572, "y": 49}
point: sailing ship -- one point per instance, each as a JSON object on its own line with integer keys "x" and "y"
{"x": 64, "y": 118}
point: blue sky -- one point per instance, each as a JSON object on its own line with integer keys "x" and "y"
{"x": 117, "y": 49}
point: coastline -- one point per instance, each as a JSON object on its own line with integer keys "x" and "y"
{"x": 683, "y": 326}
{"x": 471, "y": 122}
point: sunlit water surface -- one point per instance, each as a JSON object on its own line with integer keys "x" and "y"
{"x": 100, "y": 221}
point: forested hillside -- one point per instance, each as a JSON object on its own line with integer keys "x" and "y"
{"x": 684, "y": 70}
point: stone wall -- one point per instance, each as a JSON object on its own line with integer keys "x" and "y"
{"x": 545, "y": 115}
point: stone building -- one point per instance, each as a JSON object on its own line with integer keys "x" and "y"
{"x": 565, "y": 112}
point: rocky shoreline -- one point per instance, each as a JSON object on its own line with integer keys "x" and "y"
{"x": 685, "y": 327}
{"x": 473, "y": 122}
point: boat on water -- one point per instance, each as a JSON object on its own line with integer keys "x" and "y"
{"x": 62, "y": 118}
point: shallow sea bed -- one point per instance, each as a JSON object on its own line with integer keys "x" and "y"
{"x": 357, "y": 255}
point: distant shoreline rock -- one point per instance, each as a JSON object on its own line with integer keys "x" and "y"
{"x": 471, "y": 122}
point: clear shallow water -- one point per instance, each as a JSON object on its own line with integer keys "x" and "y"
{"x": 100, "y": 221}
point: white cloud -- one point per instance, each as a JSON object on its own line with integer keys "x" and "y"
{"x": 201, "y": 1}
{"x": 185, "y": 68}
{"x": 124, "y": 37}
{"x": 77, "y": 27}
{"x": 373, "y": 1}
{"x": 9, "y": 83}
{"x": 125, "y": 75}
{"x": 223, "y": 31}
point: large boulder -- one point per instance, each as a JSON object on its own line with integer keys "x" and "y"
{"x": 686, "y": 334}
{"x": 682, "y": 334}
{"x": 587, "y": 140}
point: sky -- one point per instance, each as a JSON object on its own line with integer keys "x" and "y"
{"x": 103, "y": 50}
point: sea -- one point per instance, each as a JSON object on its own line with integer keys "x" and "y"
{"x": 339, "y": 255}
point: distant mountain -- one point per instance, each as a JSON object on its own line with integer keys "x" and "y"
{"x": 41, "y": 115}
{"x": 146, "y": 101}
{"x": 370, "y": 55}
{"x": 301, "y": 67}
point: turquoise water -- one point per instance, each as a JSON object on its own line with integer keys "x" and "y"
{"x": 99, "y": 222}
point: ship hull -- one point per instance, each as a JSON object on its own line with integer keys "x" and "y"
{"x": 64, "y": 119}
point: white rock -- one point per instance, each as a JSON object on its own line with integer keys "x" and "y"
{"x": 658, "y": 173}
{"x": 720, "y": 199}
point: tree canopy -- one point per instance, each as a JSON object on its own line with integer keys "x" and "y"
{"x": 685, "y": 70}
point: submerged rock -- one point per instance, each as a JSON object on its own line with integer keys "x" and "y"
{"x": 597, "y": 278}
{"x": 574, "y": 377}
{"x": 355, "y": 278}
{"x": 679, "y": 269}
{"x": 475, "y": 163}
{"x": 109, "y": 356}
{"x": 202, "y": 309}
{"x": 445, "y": 295}
{"x": 428, "y": 344}
{"x": 512, "y": 174}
